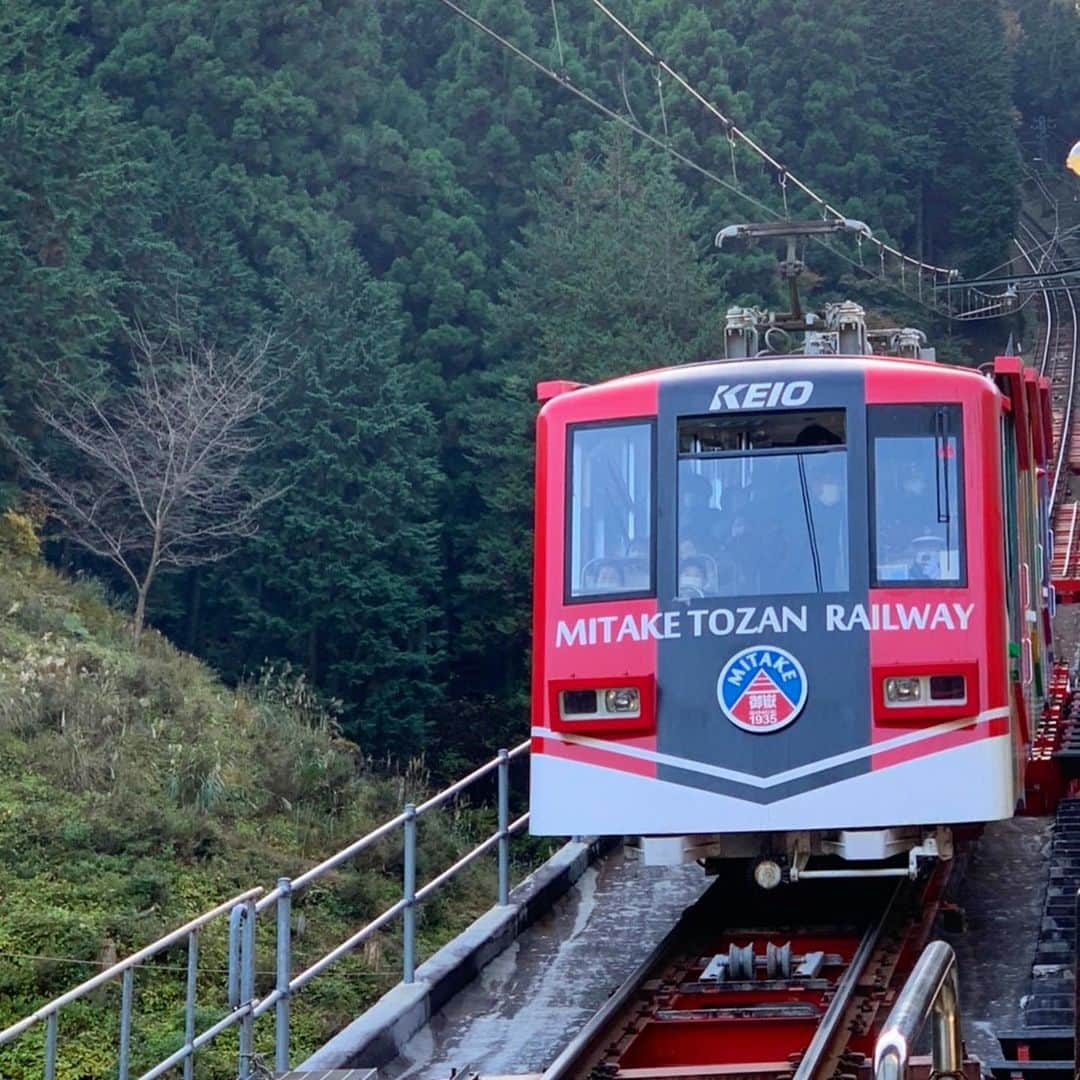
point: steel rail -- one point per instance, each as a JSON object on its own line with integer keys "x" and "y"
{"x": 586, "y": 1040}
{"x": 1015, "y": 279}
{"x": 605, "y": 1027}
{"x": 1066, "y": 427}
{"x": 822, "y": 1042}
{"x": 1052, "y": 333}
{"x": 1024, "y": 254}
{"x": 1069, "y": 545}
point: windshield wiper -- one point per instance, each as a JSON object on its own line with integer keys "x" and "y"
{"x": 941, "y": 469}
{"x": 809, "y": 522}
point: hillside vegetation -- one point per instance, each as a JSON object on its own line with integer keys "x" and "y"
{"x": 428, "y": 225}
{"x": 424, "y": 227}
{"x": 136, "y": 790}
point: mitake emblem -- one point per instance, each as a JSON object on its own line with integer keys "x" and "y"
{"x": 762, "y": 690}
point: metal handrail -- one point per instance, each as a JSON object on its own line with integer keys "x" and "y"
{"x": 932, "y": 991}
{"x": 357, "y": 846}
{"x": 244, "y": 909}
{"x": 466, "y": 781}
{"x": 482, "y": 848}
{"x": 121, "y": 966}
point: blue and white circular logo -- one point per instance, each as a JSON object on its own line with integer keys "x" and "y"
{"x": 762, "y": 689}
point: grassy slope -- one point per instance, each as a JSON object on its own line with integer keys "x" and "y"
{"x": 136, "y": 791}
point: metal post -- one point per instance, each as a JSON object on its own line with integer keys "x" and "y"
{"x": 189, "y": 1001}
{"x": 236, "y": 933}
{"x": 247, "y": 988}
{"x": 284, "y": 974}
{"x": 946, "y": 1046}
{"x": 931, "y": 992}
{"x": 50, "y": 1046}
{"x": 409, "y": 944}
{"x": 126, "y": 994}
{"x": 504, "y": 827}
{"x": 1076, "y": 987}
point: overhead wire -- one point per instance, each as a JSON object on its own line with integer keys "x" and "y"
{"x": 665, "y": 145}
{"x": 735, "y": 132}
{"x": 558, "y": 36}
{"x": 610, "y": 113}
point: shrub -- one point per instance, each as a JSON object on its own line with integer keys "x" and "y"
{"x": 137, "y": 790}
{"x": 18, "y": 537}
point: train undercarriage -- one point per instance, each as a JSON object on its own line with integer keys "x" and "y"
{"x": 790, "y": 857}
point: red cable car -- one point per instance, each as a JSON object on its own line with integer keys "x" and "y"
{"x": 790, "y": 608}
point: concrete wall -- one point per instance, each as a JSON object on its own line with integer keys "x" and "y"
{"x": 378, "y": 1035}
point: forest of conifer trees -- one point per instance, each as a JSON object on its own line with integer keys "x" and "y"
{"x": 427, "y": 227}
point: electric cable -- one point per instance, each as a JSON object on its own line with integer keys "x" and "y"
{"x": 783, "y": 173}
{"x": 661, "y": 144}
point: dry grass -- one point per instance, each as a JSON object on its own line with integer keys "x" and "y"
{"x": 137, "y": 790}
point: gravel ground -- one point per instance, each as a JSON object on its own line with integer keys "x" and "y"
{"x": 1001, "y": 889}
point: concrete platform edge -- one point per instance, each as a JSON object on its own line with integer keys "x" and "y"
{"x": 377, "y": 1036}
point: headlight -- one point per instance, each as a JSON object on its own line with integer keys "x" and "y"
{"x": 907, "y": 688}
{"x": 623, "y": 700}
{"x": 620, "y": 702}
{"x": 923, "y": 691}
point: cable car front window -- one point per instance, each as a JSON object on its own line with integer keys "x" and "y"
{"x": 610, "y": 550}
{"x": 763, "y": 504}
{"x": 918, "y": 524}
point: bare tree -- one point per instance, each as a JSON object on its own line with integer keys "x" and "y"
{"x": 159, "y": 478}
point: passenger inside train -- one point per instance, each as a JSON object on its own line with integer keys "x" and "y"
{"x": 742, "y": 483}
{"x": 916, "y": 464}
{"x": 610, "y": 546}
{"x": 741, "y": 479}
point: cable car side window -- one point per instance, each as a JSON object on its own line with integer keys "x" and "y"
{"x": 917, "y": 478}
{"x": 609, "y": 543}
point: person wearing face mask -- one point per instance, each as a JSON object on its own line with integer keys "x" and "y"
{"x": 828, "y": 510}
{"x": 924, "y": 545}
{"x": 826, "y": 480}
{"x": 910, "y": 551}
{"x": 693, "y": 578}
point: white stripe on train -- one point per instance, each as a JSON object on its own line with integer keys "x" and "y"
{"x": 971, "y": 782}
{"x": 622, "y": 750}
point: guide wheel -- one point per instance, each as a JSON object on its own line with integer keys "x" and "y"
{"x": 741, "y": 962}
{"x": 778, "y": 961}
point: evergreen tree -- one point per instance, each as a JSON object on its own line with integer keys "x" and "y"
{"x": 260, "y": 162}
{"x": 609, "y": 278}
{"x": 344, "y": 577}
{"x": 950, "y": 109}
{"x": 1047, "y": 76}
{"x": 78, "y": 246}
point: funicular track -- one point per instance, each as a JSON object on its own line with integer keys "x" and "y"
{"x": 1057, "y": 357}
{"x": 1044, "y": 1047}
{"x": 788, "y": 984}
{"x": 1058, "y": 354}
